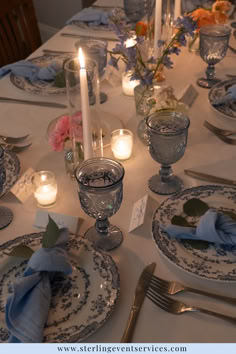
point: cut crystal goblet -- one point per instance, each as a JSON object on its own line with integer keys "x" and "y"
{"x": 167, "y": 140}
{"x": 214, "y": 41}
{"x": 100, "y": 189}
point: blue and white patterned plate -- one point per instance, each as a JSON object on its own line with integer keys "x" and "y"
{"x": 214, "y": 263}
{"x": 12, "y": 166}
{"x": 218, "y": 91}
{"x": 40, "y": 87}
{"x": 81, "y": 302}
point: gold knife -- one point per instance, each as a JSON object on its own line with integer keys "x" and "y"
{"x": 210, "y": 178}
{"x": 139, "y": 296}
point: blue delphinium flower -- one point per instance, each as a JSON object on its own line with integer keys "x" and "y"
{"x": 146, "y": 69}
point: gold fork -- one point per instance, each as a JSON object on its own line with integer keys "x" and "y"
{"x": 177, "y": 307}
{"x": 173, "y": 287}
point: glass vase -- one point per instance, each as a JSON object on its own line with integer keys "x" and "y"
{"x": 193, "y": 44}
{"x": 91, "y": 141}
{"x": 143, "y": 103}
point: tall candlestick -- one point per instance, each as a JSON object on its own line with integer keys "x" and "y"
{"x": 177, "y": 12}
{"x": 158, "y": 27}
{"x": 86, "y": 119}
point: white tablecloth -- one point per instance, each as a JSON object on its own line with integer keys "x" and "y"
{"x": 204, "y": 151}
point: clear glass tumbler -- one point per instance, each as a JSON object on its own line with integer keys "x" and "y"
{"x": 167, "y": 140}
{"x": 100, "y": 190}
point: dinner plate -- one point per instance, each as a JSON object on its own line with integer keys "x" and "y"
{"x": 218, "y": 91}
{"x": 12, "y": 166}
{"x": 40, "y": 87}
{"x": 216, "y": 262}
{"x": 109, "y": 123}
{"x": 81, "y": 302}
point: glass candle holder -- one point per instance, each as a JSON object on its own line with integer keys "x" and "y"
{"x": 45, "y": 188}
{"x": 122, "y": 144}
{"x": 127, "y": 84}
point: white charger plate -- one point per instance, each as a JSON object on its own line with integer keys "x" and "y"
{"x": 217, "y": 262}
{"x": 81, "y": 302}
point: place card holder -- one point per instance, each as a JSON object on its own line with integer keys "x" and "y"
{"x": 22, "y": 189}
{"x": 142, "y": 212}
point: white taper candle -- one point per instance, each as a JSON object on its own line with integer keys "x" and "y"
{"x": 86, "y": 118}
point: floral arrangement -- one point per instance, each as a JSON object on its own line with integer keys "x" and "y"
{"x": 62, "y": 131}
{"x": 216, "y": 15}
{"x": 146, "y": 68}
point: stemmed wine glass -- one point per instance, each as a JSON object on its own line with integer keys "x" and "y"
{"x": 167, "y": 140}
{"x": 135, "y": 10}
{"x": 100, "y": 190}
{"x": 214, "y": 41}
{"x": 95, "y": 49}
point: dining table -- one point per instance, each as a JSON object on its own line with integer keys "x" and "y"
{"x": 205, "y": 152}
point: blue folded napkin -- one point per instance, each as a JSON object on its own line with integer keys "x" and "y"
{"x": 94, "y": 17}
{"x": 31, "y": 71}
{"x": 213, "y": 226}
{"x": 229, "y": 97}
{"x": 28, "y": 306}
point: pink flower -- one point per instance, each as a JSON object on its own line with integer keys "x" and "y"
{"x": 65, "y": 128}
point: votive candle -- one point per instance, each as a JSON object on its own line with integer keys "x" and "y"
{"x": 122, "y": 144}
{"x": 45, "y": 188}
{"x": 128, "y": 85}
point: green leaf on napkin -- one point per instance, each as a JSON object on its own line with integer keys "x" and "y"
{"x": 22, "y": 251}
{"x": 195, "y": 207}
{"x": 180, "y": 221}
{"x": 198, "y": 244}
{"x": 59, "y": 80}
{"x": 51, "y": 234}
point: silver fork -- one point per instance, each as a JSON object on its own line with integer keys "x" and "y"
{"x": 15, "y": 148}
{"x": 177, "y": 307}
{"x": 173, "y": 287}
{"x": 12, "y": 140}
{"x": 217, "y": 130}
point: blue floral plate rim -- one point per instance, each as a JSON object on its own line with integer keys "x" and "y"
{"x": 94, "y": 285}
{"x": 217, "y": 263}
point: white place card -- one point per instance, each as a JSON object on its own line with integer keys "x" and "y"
{"x": 188, "y": 95}
{"x": 138, "y": 213}
{"x": 71, "y": 222}
{"x": 22, "y": 189}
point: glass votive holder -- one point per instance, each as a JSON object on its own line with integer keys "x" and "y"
{"x": 45, "y": 188}
{"x": 128, "y": 85}
{"x": 122, "y": 144}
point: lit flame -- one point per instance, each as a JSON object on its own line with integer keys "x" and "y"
{"x": 81, "y": 58}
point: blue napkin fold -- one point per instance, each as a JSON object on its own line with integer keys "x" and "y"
{"x": 94, "y": 17}
{"x": 31, "y": 71}
{"x": 213, "y": 226}
{"x": 229, "y": 97}
{"x": 28, "y": 306}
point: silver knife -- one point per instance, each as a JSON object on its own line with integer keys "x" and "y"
{"x": 34, "y": 103}
{"x": 140, "y": 293}
{"x": 52, "y": 51}
{"x": 210, "y": 178}
{"x": 74, "y": 35}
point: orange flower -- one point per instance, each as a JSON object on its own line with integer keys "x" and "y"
{"x": 221, "y": 6}
{"x": 219, "y": 9}
{"x": 203, "y": 17}
{"x": 141, "y": 28}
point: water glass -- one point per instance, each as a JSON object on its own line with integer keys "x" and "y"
{"x": 167, "y": 140}
{"x": 100, "y": 190}
{"x": 214, "y": 41}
